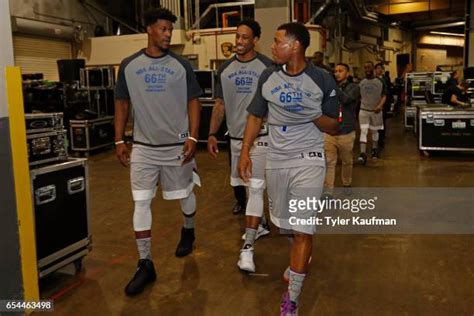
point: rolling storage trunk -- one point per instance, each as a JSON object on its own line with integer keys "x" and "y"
{"x": 46, "y": 147}
{"x": 87, "y": 135}
{"x": 44, "y": 122}
{"x": 410, "y": 113}
{"x": 446, "y": 129}
{"x": 61, "y": 211}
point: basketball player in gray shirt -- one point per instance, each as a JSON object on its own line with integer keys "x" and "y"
{"x": 300, "y": 101}
{"x": 163, "y": 92}
{"x": 236, "y": 84}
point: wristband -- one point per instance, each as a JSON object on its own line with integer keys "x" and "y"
{"x": 193, "y": 139}
{"x": 211, "y": 134}
{"x": 119, "y": 142}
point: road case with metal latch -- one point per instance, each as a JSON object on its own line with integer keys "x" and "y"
{"x": 44, "y": 122}
{"x": 46, "y": 147}
{"x": 410, "y": 113}
{"x": 446, "y": 129}
{"x": 61, "y": 211}
{"x": 87, "y": 135}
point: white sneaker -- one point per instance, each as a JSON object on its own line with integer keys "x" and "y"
{"x": 286, "y": 274}
{"x": 246, "y": 260}
{"x": 262, "y": 231}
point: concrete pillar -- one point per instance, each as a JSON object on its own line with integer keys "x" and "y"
{"x": 270, "y": 14}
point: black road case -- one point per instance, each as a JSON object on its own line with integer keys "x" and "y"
{"x": 100, "y": 77}
{"x": 87, "y": 135}
{"x": 446, "y": 129}
{"x": 61, "y": 211}
{"x": 410, "y": 113}
{"x": 44, "y": 122}
{"x": 46, "y": 147}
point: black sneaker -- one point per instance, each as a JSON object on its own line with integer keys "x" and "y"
{"x": 238, "y": 208}
{"x": 185, "y": 245}
{"x": 362, "y": 160}
{"x": 145, "y": 274}
{"x": 375, "y": 154}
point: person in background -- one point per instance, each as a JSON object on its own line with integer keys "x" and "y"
{"x": 318, "y": 58}
{"x": 385, "y": 77}
{"x": 459, "y": 95}
{"x": 341, "y": 144}
{"x": 372, "y": 92}
{"x": 453, "y": 80}
{"x": 453, "y": 88}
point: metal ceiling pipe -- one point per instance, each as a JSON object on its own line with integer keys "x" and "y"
{"x": 105, "y": 13}
{"x": 440, "y": 26}
{"x": 319, "y": 11}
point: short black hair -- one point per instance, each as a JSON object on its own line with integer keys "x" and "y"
{"x": 297, "y": 31}
{"x": 319, "y": 53}
{"x": 256, "y": 30}
{"x": 345, "y": 66}
{"x": 155, "y": 14}
{"x": 380, "y": 65}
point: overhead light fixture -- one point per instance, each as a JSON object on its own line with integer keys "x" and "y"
{"x": 447, "y": 34}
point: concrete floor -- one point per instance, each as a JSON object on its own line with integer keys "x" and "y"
{"x": 350, "y": 274}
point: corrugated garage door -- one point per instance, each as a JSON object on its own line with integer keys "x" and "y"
{"x": 39, "y": 55}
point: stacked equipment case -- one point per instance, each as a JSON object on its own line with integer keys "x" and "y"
{"x": 90, "y": 134}
{"x": 422, "y": 88}
{"x": 446, "y": 129}
{"x": 59, "y": 188}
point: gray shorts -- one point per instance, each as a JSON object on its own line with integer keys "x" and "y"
{"x": 370, "y": 120}
{"x": 177, "y": 182}
{"x": 258, "y": 155}
{"x": 288, "y": 186}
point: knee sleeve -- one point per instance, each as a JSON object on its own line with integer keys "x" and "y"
{"x": 363, "y": 135}
{"x": 375, "y": 136}
{"x": 188, "y": 205}
{"x": 142, "y": 215}
{"x": 255, "y": 202}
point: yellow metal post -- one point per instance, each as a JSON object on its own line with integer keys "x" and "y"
{"x": 21, "y": 174}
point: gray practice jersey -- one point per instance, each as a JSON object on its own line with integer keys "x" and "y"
{"x": 236, "y": 84}
{"x": 159, "y": 89}
{"x": 371, "y": 91}
{"x": 292, "y": 102}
